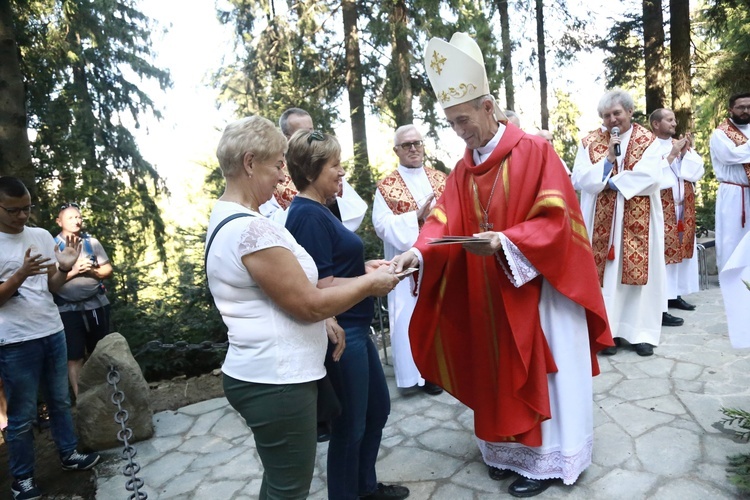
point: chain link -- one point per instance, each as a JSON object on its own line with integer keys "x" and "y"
{"x": 125, "y": 434}
{"x": 182, "y": 346}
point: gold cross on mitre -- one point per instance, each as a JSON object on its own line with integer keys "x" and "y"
{"x": 437, "y": 62}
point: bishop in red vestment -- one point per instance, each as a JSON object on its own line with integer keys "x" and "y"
{"x": 509, "y": 325}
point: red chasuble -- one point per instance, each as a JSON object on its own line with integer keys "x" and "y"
{"x": 473, "y": 332}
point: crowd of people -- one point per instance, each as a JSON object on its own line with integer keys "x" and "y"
{"x": 502, "y": 286}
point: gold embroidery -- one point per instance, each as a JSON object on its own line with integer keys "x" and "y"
{"x": 636, "y": 213}
{"x": 437, "y": 62}
{"x": 457, "y": 92}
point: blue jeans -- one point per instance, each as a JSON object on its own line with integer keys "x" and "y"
{"x": 360, "y": 384}
{"x": 22, "y": 367}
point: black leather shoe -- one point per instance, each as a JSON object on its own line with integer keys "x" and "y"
{"x": 432, "y": 389}
{"x": 679, "y": 303}
{"x": 524, "y": 487}
{"x": 610, "y": 351}
{"x": 644, "y": 349}
{"x": 388, "y": 492}
{"x": 498, "y": 474}
{"x": 324, "y": 432}
{"x": 669, "y": 320}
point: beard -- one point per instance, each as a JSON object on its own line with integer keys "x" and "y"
{"x": 742, "y": 119}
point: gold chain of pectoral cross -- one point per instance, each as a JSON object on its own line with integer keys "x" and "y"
{"x": 486, "y": 225}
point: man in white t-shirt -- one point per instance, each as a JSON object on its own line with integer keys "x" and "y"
{"x": 32, "y": 340}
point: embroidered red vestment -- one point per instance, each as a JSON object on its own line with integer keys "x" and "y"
{"x": 636, "y": 213}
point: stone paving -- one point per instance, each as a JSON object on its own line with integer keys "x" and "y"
{"x": 657, "y": 434}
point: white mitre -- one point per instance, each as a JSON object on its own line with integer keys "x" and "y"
{"x": 456, "y": 71}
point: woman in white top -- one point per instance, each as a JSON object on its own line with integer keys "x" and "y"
{"x": 264, "y": 285}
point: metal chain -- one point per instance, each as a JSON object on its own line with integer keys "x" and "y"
{"x": 182, "y": 346}
{"x": 125, "y": 433}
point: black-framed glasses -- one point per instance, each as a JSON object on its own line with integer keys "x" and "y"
{"x": 406, "y": 146}
{"x": 15, "y": 211}
{"x": 68, "y": 205}
{"x": 315, "y": 135}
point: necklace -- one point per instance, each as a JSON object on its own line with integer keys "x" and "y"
{"x": 486, "y": 225}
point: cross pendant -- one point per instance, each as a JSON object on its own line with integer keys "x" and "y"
{"x": 485, "y": 226}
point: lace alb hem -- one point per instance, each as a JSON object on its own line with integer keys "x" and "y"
{"x": 261, "y": 233}
{"x": 520, "y": 267}
{"x": 528, "y": 462}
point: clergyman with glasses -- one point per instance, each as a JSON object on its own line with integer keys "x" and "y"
{"x": 403, "y": 201}
{"x": 32, "y": 341}
{"x": 82, "y": 301}
{"x": 730, "y": 156}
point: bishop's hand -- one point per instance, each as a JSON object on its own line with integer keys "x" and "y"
{"x": 484, "y": 248}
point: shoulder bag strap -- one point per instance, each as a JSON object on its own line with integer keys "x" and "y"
{"x": 213, "y": 235}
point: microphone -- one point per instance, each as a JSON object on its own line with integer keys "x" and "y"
{"x": 616, "y": 132}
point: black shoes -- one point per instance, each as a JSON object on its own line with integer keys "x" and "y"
{"x": 524, "y": 487}
{"x": 644, "y": 349}
{"x": 431, "y": 389}
{"x": 324, "y": 432}
{"x": 611, "y": 351}
{"x": 498, "y": 474}
{"x": 388, "y": 492}
{"x": 669, "y": 320}
{"x": 679, "y": 303}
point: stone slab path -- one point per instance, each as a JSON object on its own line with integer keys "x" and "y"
{"x": 656, "y": 433}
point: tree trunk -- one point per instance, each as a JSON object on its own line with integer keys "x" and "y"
{"x": 15, "y": 154}
{"x": 542, "y": 62}
{"x": 653, "y": 46}
{"x": 506, "y": 60}
{"x": 362, "y": 174}
{"x": 679, "y": 20}
{"x": 401, "y": 56}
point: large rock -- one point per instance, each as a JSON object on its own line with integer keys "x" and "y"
{"x": 97, "y": 429}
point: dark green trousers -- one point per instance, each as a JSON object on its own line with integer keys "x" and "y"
{"x": 283, "y": 421}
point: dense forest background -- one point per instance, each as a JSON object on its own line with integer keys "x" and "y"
{"x": 72, "y": 75}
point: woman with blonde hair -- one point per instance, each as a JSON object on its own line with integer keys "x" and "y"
{"x": 264, "y": 285}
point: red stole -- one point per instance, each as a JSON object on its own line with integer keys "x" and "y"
{"x": 679, "y": 235}
{"x": 737, "y": 137}
{"x": 636, "y": 213}
{"x": 285, "y": 192}
{"x": 397, "y": 195}
{"x": 473, "y": 332}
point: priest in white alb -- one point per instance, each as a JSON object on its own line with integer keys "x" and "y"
{"x": 730, "y": 157}
{"x": 682, "y": 167}
{"x": 618, "y": 171}
{"x": 402, "y": 202}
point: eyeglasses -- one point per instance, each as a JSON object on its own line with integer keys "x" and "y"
{"x": 406, "y": 146}
{"x": 68, "y": 205}
{"x": 742, "y": 108}
{"x": 315, "y": 135}
{"x": 15, "y": 211}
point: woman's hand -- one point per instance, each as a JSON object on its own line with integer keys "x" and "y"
{"x": 382, "y": 281}
{"x": 372, "y": 265}
{"x": 337, "y": 336}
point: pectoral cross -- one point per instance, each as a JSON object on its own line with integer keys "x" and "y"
{"x": 485, "y": 226}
